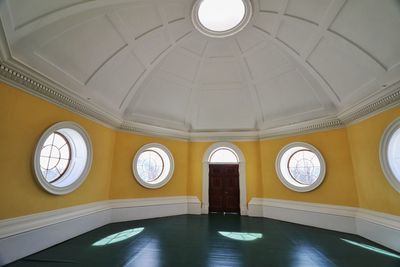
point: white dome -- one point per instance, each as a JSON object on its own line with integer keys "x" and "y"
{"x": 143, "y": 64}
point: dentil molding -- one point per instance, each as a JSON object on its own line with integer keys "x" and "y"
{"x": 359, "y": 112}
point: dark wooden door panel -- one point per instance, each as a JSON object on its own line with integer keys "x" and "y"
{"x": 224, "y": 188}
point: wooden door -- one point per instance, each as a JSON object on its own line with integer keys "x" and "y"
{"x": 224, "y": 195}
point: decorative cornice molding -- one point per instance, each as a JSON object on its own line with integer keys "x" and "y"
{"x": 303, "y": 128}
{"x": 40, "y": 89}
{"x": 372, "y": 106}
{"x": 152, "y": 130}
{"x": 363, "y": 110}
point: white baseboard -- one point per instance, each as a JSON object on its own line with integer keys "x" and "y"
{"x": 323, "y": 216}
{"x": 146, "y": 208}
{"x": 205, "y": 209}
{"x": 22, "y": 236}
{"x": 378, "y": 227}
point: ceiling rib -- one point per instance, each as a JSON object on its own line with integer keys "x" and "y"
{"x": 328, "y": 18}
{"x": 250, "y": 83}
{"x": 151, "y": 66}
{"x": 173, "y": 30}
{"x": 279, "y": 17}
{"x": 192, "y": 108}
{"x": 148, "y": 71}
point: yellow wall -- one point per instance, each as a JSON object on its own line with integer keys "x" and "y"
{"x": 353, "y": 178}
{"x": 338, "y": 187}
{"x": 374, "y": 191}
{"x": 23, "y": 119}
{"x": 124, "y": 185}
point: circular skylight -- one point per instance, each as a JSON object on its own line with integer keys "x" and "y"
{"x": 220, "y": 18}
{"x": 221, "y": 15}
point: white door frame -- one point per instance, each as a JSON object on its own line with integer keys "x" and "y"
{"x": 242, "y": 176}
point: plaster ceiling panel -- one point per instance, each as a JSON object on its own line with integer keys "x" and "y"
{"x": 150, "y": 46}
{"x": 99, "y": 50}
{"x": 195, "y": 43}
{"x": 267, "y": 62}
{"x": 287, "y": 95}
{"x": 249, "y": 39}
{"x": 344, "y": 70}
{"x": 220, "y": 72}
{"x": 179, "y": 29}
{"x": 266, "y": 21}
{"x": 219, "y": 48}
{"x": 373, "y": 26}
{"x": 140, "y": 18}
{"x": 224, "y": 110}
{"x": 295, "y": 33}
{"x": 312, "y": 10}
{"x": 181, "y": 63}
{"x": 270, "y": 5}
{"x": 24, "y": 12}
{"x": 113, "y": 81}
{"x": 82, "y": 49}
{"x": 174, "y": 11}
{"x": 162, "y": 98}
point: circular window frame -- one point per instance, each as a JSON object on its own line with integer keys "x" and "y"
{"x": 169, "y": 174}
{"x": 220, "y": 34}
{"x": 295, "y": 185}
{"x": 383, "y": 154}
{"x": 62, "y": 127}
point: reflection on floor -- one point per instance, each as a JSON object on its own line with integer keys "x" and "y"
{"x": 214, "y": 240}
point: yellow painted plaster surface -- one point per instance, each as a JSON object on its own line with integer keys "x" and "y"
{"x": 338, "y": 187}
{"x": 23, "y": 119}
{"x": 354, "y": 176}
{"x": 124, "y": 185}
{"x": 374, "y": 191}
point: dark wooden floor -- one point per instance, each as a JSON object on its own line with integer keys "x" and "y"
{"x": 213, "y": 240}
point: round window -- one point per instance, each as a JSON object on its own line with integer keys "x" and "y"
{"x": 389, "y": 154}
{"x": 221, "y": 18}
{"x": 300, "y": 167}
{"x": 62, "y": 158}
{"x": 153, "y": 166}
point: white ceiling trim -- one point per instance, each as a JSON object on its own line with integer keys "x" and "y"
{"x": 373, "y": 89}
{"x": 363, "y": 110}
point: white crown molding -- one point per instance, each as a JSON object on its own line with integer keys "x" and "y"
{"x": 19, "y": 79}
{"x": 224, "y": 136}
{"x": 147, "y": 129}
{"x": 363, "y": 110}
{"x": 302, "y": 128}
{"x": 372, "y": 105}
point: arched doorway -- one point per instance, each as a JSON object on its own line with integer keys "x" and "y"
{"x": 219, "y": 152}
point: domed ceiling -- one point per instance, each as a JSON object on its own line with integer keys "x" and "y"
{"x": 142, "y": 65}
